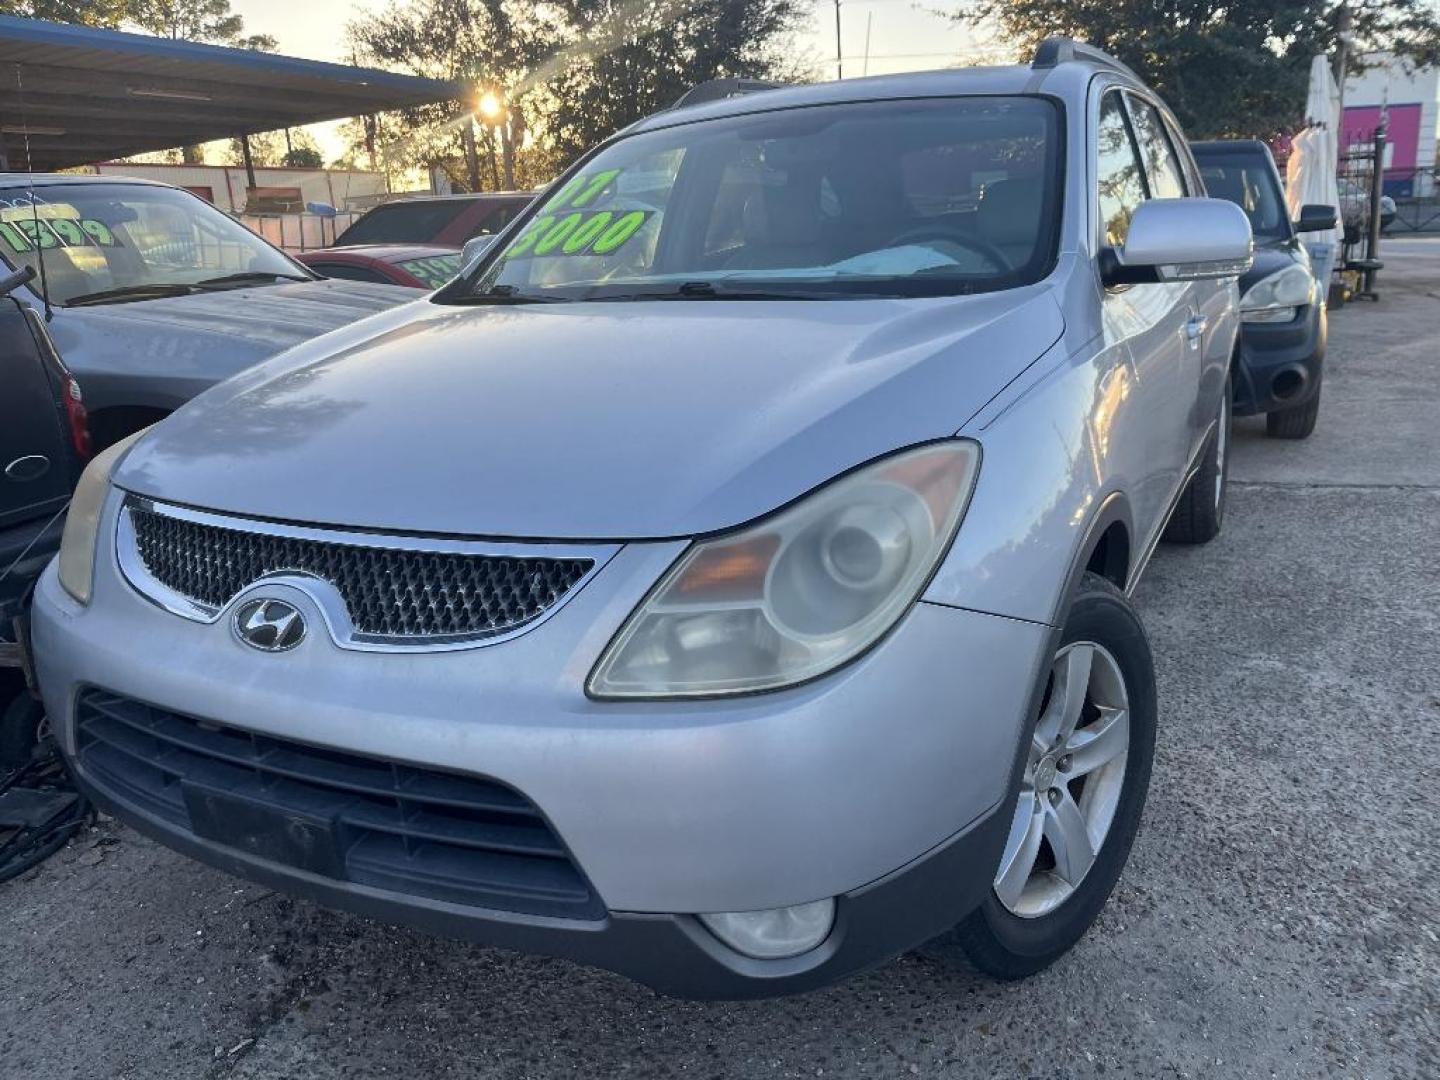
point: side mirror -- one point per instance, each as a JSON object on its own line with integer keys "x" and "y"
{"x": 473, "y": 249}
{"x": 12, "y": 281}
{"x": 1181, "y": 240}
{"x": 1315, "y": 217}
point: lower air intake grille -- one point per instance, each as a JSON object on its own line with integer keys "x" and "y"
{"x": 397, "y": 827}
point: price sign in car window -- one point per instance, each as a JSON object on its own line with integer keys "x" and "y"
{"x": 29, "y": 233}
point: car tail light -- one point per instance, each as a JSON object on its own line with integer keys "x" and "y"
{"x": 78, "y": 417}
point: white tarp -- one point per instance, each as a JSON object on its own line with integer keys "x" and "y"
{"x": 1310, "y": 172}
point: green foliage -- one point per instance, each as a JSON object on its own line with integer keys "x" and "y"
{"x": 626, "y": 59}
{"x": 1238, "y": 68}
{"x": 570, "y": 72}
{"x": 104, "y": 13}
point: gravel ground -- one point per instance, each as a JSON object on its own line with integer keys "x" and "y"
{"x": 1278, "y": 917}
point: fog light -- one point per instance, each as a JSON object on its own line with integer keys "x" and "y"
{"x": 774, "y": 933}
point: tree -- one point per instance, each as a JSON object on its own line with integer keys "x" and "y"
{"x": 104, "y": 13}
{"x": 1238, "y": 68}
{"x": 568, "y": 73}
{"x": 267, "y": 149}
{"x": 196, "y": 20}
{"x": 628, "y": 59}
{"x": 301, "y": 151}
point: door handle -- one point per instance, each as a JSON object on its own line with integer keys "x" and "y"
{"x": 1195, "y": 328}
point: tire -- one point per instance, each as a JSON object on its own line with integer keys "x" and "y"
{"x": 19, "y": 722}
{"x": 1294, "y": 423}
{"x": 1199, "y": 514}
{"x": 1015, "y": 938}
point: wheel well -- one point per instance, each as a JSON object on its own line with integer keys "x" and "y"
{"x": 109, "y": 426}
{"x": 1110, "y": 558}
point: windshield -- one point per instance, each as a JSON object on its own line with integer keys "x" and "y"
{"x": 131, "y": 242}
{"x": 894, "y": 198}
{"x": 1250, "y": 182}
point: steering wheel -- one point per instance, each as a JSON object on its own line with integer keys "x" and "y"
{"x": 986, "y": 250}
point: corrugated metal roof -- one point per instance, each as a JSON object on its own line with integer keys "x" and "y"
{"x": 89, "y": 95}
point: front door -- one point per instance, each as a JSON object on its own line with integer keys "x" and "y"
{"x": 1155, "y": 324}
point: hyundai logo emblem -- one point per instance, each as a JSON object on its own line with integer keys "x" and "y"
{"x": 269, "y": 625}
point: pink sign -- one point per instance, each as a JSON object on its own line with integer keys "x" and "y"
{"x": 1403, "y": 133}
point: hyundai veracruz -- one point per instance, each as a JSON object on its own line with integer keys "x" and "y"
{"x": 724, "y": 581}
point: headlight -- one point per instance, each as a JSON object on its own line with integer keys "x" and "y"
{"x": 82, "y": 523}
{"x": 1275, "y": 298}
{"x": 797, "y": 594}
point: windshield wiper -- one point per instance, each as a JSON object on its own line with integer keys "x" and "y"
{"x": 133, "y": 292}
{"x": 250, "y": 275}
{"x": 709, "y": 290}
{"x": 507, "y": 294}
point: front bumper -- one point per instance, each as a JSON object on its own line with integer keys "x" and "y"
{"x": 1280, "y": 363}
{"x": 880, "y": 785}
{"x": 673, "y": 954}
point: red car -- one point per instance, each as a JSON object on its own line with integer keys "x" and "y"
{"x": 420, "y": 266}
{"x": 446, "y": 220}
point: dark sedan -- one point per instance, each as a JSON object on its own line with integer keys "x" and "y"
{"x": 1282, "y": 307}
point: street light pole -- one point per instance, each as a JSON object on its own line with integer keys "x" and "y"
{"x": 839, "y": 64}
{"x": 1344, "y": 38}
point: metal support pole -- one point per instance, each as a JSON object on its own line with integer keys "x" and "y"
{"x": 1344, "y": 38}
{"x": 839, "y": 64}
{"x": 1372, "y": 238}
{"x": 249, "y": 163}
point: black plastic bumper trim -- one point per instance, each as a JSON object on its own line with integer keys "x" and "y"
{"x": 673, "y": 954}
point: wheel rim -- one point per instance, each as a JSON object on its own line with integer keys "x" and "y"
{"x": 1074, "y": 774}
{"x": 1222, "y": 446}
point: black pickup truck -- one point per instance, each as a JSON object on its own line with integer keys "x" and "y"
{"x": 44, "y": 443}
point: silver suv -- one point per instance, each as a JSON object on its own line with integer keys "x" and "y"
{"x": 725, "y": 580}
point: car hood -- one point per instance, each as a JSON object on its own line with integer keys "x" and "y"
{"x": 163, "y": 352}
{"x": 1270, "y": 256}
{"x": 619, "y": 420}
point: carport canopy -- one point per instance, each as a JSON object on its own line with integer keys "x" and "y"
{"x": 85, "y": 95}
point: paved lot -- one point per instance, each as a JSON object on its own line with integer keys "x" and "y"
{"x": 1279, "y": 917}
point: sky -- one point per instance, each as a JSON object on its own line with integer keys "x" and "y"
{"x": 903, "y": 36}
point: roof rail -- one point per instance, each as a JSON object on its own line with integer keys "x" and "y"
{"x": 1054, "y": 51}
{"x": 720, "y": 89}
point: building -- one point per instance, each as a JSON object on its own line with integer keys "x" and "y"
{"x": 275, "y": 189}
{"x": 1409, "y": 99}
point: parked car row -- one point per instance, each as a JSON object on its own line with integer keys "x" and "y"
{"x": 726, "y": 578}
{"x": 416, "y": 241}
{"x": 1282, "y": 306}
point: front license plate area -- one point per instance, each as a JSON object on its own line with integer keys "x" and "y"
{"x": 304, "y": 841}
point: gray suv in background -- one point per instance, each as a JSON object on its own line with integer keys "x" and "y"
{"x": 725, "y": 580}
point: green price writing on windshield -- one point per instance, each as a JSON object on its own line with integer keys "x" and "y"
{"x": 599, "y": 232}
{"x": 28, "y": 233}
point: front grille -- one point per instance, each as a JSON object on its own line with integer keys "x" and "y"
{"x": 397, "y": 827}
{"x": 389, "y": 592}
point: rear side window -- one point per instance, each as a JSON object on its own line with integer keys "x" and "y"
{"x": 1162, "y": 167}
{"x": 497, "y": 219}
{"x": 1120, "y": 180}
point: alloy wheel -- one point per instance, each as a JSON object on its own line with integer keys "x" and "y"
{"x": 1074, "y": 775}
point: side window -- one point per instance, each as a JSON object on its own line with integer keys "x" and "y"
{"x": 496, "y": 220}
{"x": 1119, "y": 178}
{"x": 1162, "y": 167}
